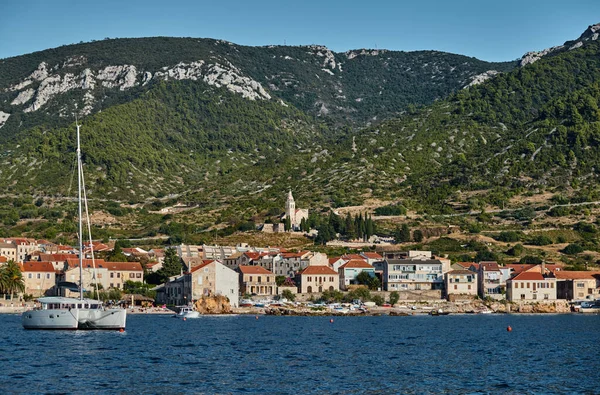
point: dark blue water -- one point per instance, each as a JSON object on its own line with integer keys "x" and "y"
{"x": 290, "y": 355}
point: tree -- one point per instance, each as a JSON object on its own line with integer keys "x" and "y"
{"x": 394, "y": 297}
{"x": 364, "y": 278}
{"x": 572, "y": 249}
{"x": 516, "y": 250}
{"x": 11, "y": 278}
{"x": 116, "y": 255}
{"x": 289, "y": 295}
{"x": 287, "y": 224}
{"x": 279, "y": 280}
{"x": 485, "y": 255}
{"x": 418, "y": 236}
{"x": 402, "y": 234}
{"x": 171, "y": 266}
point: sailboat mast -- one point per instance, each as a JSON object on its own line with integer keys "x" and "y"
{"x": 79, "y": 171}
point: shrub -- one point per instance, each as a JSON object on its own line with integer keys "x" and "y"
{"x": 572, "y": 249}
{"x": 394, "y": 297}
{"x": 540, "y": 240}
{"x": 288, "y": 295}
{"x": 378, "y": 300}
{"x": 530, "y": 259}
{"x": 509, "y": 236}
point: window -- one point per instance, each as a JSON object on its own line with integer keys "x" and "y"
{"x": 30, "y": 275}
{"x": 260, "y": 279}
{"x": 39, "y": 275}
{"x": 118, "y": 275}
{"x": 250, "y": 279}
{"x": 112, "y": 275}
{"x": 138, "y": 275}
{"x": 580, "y": 285}
{"x": 546, "y": 296}
{"x": 527, "y": 285}
{"x": 47, "y": 275}
{"x": 131, "y": 275}
{"x": 112, "y": 285}
{"x": 516, "y": 285}
{"x": 455, "y": 286}
{"x": 534, "y": 296}
{"x": 469, "y": 286}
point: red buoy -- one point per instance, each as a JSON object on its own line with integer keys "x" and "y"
{"x": 185, "y": 319}
{"x": 508, "y": 328}
{"x": 256, "y": 317}
{"x": 121, "y": 330}
{"x": 331, "y": 320}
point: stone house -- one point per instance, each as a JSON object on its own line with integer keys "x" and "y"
{"x": 318, "y": 279}
{"x": 211, "y": 278}
{"x": 256, "y": 280}
{"x": 460, "y": 283}
{"x": 39, "y": 278}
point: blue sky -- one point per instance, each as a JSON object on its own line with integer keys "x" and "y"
{"x": 489, "y": 30}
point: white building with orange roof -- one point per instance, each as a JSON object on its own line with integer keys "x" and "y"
{"x": 256, "y": 280}
{"x": 351, "y": 269}
{"x": 318, "y": 279}
{"x": 531, "y": 286}
{"x": 58, "y": 261}
{"x": 39, "y": 278}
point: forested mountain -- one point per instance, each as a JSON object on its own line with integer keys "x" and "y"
{"x": 229, "y": 128}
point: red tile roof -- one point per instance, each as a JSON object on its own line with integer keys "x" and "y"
{"x": 57, "y": 257}
{"x": 353, "y": 256}
{"x": 74, "y": 262}
{"x": 254, "y": 270}
{"x": 466, "y": 265}
{"x": 489, "y": 266}
{"x": 356, "y": 263}
{"x": 123, "y": 266}
{"x": 579, "y": 275}
{"x": 333, "y": 260}
{"x": 528, "y": 276}
{"x": 312, "y": 270}
{"x": 252, "y": 255}
{"x": 205, "y": 262}
{"x": 372, "y": 255}
{"x": 33, "y": 266}
{"x": 3, "y": 259}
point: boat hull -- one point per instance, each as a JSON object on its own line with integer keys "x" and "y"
{"x": 74, "y": 318}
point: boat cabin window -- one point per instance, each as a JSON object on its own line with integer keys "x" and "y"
{"x": 79, "y": 305}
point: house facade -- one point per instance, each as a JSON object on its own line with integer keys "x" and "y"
{"x": 531, "y": 286}
{"x": 577, "y": 285}
{"x": 318, "y": 279}
{"x": 212, "y": 278}
{"x": 39, "y": 278}
{"x": 351, "y": 269}
{"x": 491, "y": 281}
{"x": 460, "y": 282}
{"x": 256, "y": 280}
{"x": 419, "y": 273}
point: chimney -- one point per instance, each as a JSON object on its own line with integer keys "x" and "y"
{"x": 544, "y": 267}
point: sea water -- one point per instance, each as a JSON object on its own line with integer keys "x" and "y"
{"x": 302, "y": 355}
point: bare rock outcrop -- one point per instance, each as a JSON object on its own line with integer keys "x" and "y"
{"x": 217, "y": 304}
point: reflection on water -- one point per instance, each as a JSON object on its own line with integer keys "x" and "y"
{"x": 289, "y": 355}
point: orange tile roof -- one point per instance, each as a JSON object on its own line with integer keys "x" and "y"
{"x": 34, "y": 266}
{"x": 254, "y": 270}
{"x": 353, "y": 256}
{"x": 123, "y": 266}
{"x": 461, "y": 272}
{"x": 312, "y": 270}
{"x": 333, "y": 260}
{"x": 356, "y": 263}
{"x": 252, "y": 255}
{"x": 490, "y": 266}
{"x": 74, "y": 262}
{"x": 57, "y": 257}
{"x": 372, "y": 255}
{"x": 528, "y": 276}
{"x": 577, "y": 275}
{"x": 205, "y": 262}
{"x": 3, "y": 259}
{"x": 466, "y": 264}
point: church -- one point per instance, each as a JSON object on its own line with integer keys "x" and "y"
{"x": 294, "y": 214}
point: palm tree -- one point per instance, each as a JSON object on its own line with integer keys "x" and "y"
{"x": 11, "y": 278}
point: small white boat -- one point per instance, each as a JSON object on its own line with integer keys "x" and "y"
{"x": 187, "y": 312}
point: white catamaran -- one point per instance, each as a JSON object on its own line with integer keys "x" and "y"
{"x": 58, "y": 312}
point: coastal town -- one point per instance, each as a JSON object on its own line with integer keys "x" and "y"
{"x": 249, "y": 276}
